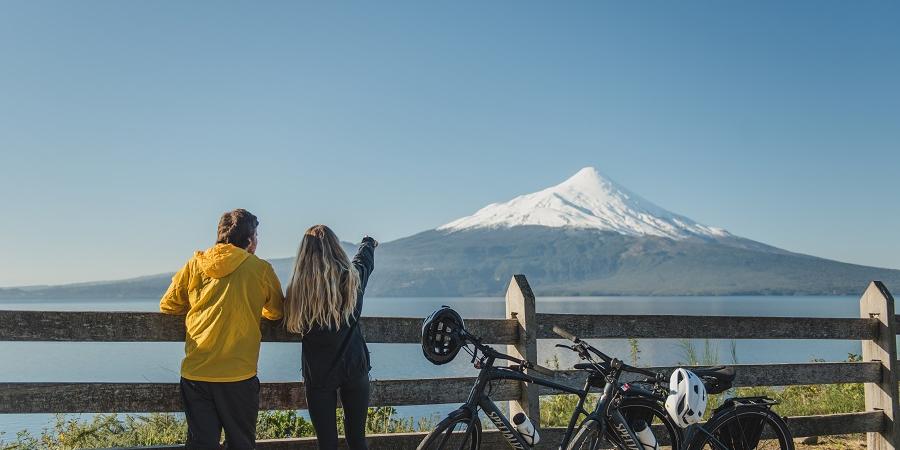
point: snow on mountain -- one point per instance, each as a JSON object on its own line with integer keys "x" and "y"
{"x": 586, "y": 200}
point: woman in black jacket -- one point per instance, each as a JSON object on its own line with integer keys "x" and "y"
{"x": 323, "y": 303}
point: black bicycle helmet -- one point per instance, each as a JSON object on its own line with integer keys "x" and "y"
{"x": 441, "y": 339}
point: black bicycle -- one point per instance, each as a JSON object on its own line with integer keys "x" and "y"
{"x": 622, "y": 405}
{"x": 740, "y": 423}
{"x": 612, "y": 420}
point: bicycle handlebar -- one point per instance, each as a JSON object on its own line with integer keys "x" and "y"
{"x": 578, "y": 342}
{"x": 566, "y": 334}
{"x": 583, "y": 344}
{"x": 491, "y": 352}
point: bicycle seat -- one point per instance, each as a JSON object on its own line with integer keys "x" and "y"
{"x": 716, "y": 379}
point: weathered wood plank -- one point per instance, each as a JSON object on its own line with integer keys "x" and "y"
{"x": 800, "y": 426}
{"x": 878, "y": 304}
{"x": 161, "y": 397}
{"x": 164, "y": 397}
{"x": 831, "y": 424}
{"x": 520, "y": 307}
{"x": 712, "y": 327}
{"x": 71, "y": 326}
{"x": 764, "y": 374}
{"x": 74, "y": 326}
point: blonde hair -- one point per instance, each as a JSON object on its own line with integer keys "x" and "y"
{"x": 323, "y": 287}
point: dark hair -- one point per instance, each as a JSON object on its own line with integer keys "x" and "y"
{"x": 237, "y": 228}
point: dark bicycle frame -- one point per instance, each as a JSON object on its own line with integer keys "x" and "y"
{"x": 611, "y": 391}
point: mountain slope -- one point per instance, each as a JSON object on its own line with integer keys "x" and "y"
{"x": 584, "y": 236}
{"x": 567, "y": 261}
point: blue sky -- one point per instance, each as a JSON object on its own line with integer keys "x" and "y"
{"x": 126, "y": 128}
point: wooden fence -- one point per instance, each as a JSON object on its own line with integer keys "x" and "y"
{"x": 519, "y": 332}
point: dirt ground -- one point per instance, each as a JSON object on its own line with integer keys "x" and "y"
{"x": 844, "y": 442}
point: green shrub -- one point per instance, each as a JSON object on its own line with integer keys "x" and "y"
{"x": 556, "y": 410}
{"x": 111, "y": 430}
{"x": 812, "y": 399}
{"x": 104, "y": 430}
{"x": 282, "y": 424}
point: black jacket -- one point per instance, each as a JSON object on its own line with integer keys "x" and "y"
{"x": 330, "y": 356}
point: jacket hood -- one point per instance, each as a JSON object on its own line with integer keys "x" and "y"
{"x": 220, "y": 260}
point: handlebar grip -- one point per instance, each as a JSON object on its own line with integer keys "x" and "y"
{"x": 565, "y": 334}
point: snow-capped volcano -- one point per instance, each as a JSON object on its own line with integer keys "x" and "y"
{"x": 593, "y": 237}
{"x": 587, "y": 200}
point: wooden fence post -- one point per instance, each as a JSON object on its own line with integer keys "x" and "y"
{"x": 878, "y": 303}
{"x": 520, "y": 306}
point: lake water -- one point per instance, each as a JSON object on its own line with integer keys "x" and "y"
{"x": 159, "y": 362}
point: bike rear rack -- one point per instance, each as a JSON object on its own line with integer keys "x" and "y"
{"x": 749, "y": 401}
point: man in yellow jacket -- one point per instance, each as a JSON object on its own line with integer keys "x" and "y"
{"x": 223, "y": 291}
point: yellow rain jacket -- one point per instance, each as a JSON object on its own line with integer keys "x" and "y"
{"x": 224, "y": 291}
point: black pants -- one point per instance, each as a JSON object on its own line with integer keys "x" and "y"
{"x": 355, "y": 400}
{"x": 209, "y": 407}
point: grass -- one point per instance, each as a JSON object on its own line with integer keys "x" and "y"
{"x": 112, "y": 430}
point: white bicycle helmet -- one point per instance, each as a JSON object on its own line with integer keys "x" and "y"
{"x": 687, "y": 398}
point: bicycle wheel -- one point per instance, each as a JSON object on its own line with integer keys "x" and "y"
{"x": 589, "y": 436}
{"x": 744, "y": 428}
{"x": 458, "y": 431}
{"x": 666, "y": 432}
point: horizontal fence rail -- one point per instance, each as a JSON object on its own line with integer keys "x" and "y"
{"x": 165, "y": 397}
{"x": 747, "y": 375}
{"x": 91, "y": 326}
{"x": 519, "y": 331}
{"x": 705, "y": 327}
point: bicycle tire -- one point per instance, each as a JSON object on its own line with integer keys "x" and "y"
{"x": 726, "y": 431}
{"x": 446, "y": 437}
{"x": 589, "y": 436}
